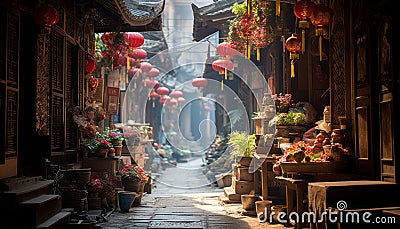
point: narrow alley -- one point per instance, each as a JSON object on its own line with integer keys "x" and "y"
{"x": 192, "y": 202}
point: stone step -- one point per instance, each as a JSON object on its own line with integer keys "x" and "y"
{"x": 59, "y": 220}
{"x": 39, "y": 209}
{"x": 26, "y": 189}
{"x": 232, "y": 195}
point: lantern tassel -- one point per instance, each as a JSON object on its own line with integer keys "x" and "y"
{"x": 222, "y": 85}
{"x": 128, "y": 63}
{"x": 226, "y": 73}
{"x": 153, "y": 104}
{"x": 303, "y": 41}
{"x": 258, "y": 54}
{"x": 320, "y": 48}
{"x": 292, "y": 69}
{"x": 248, "y": 51}
{"x": 278, "y": 7}
{"x": 127, "y": 79}
{"x": 134, "y": 83}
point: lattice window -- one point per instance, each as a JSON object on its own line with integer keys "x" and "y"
{"x": 11, "y": 122}
{"x": 2, "y": 123}
{"x": 338, "y": 72}
{"x": 57, "y": 125}
{"x": 57, "y": 61}
{"x": 12, "y": 49}
{"x": 71, "y": 95}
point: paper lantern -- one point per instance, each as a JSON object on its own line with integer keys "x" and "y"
{"x": 46, "y": 15}
{"x": 181, "y": 100}
{"x": 134, "y": 39}
{"x": 320, "y": 18}
{"x": 176, "y": 94}
{"x": 293, "y": 45}
{"x": 162, "y": 91}
{"x": 154, "y": 72}
{"x": 226, "y": 49}
{"x": 200, "y": 83}
{"x": 153, "y": 96}
{"x": 90, "y": 65}
{"x": 138, "y": 54}
{"x": 145, "y": 67}
{"x": 303, "y": 10}
{"x": 164, "y": 99}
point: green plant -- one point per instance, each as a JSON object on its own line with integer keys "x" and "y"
{"x": 133, "y": 173}
{"x": 242, "y": 144}
{"x": 290, "y": 118}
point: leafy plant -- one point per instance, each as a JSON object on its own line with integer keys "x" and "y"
{"x": 290, "y": 118}
{"x": 242, "y": 144}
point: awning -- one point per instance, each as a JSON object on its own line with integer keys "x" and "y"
{"x": 128, "y": 15}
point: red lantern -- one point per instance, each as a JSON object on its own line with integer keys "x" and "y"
{"x": 303, "y": 10}
{"x": 138, "y": 54}
{"x": 134, "y": 39}
{"x": 176, "y": 94}
{"x": 90, "y": 65}
{"x": 164, "y": 99}
{"x": 181, "y": 100}
{"x": 47, "y": 15}
{"x": 154, "y": 72}
{"x": 145, "y": 67}
{"x": 200, "y": 82}
{"x": 321, "y": 17}
{"x": 293, "y": 45}
{"x": 162, "y": 91}
{"x": 150, "y": 83}
{"x": 105, "y": 38}
{"x": 226, "y": 49}
{"x": 153, "y": 96}
{"x": 172, "y": 101}
{"x": 222, "y": 65}
{"x": 133, "y": 72}
{"x": 207, "y": 108}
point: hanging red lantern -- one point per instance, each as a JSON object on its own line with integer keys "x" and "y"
{"x": 105, "y": 38}
{"x": 181, "y": 100}
{"x": 47, "y": 15}
{"x": 138, "y": 54}
{"x": 145, "y": 67}
{"x": 200, "y": 83}
{"x": 207, "y": 108}
{"x": 176, "y": 94}
{"x": 293, "y": 45}
{"x": 222, "y": 66}
{"x": 164, "y": 99}
{"x": 154, "y": 72}
{"x": 303, "y": 10}
{"x": 172, "y": 102}
{"x": 320, "y": 18}
{"x": 150, "y": 83}
{"x": 226, "y": 49}
{"x": 90, "y": 65}
{"x": 162, "y": 91}
{"x": 153, "y": 96}
{"x": 134, "y": 39}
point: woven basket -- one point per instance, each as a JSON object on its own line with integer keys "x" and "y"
{"x": 314, "y": 167}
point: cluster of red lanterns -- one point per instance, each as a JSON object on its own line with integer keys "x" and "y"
{"x": 319, "y": 15}
{"x": 226, "y": 50}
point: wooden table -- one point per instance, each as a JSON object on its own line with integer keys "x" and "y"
{"x": 352, "y": 196}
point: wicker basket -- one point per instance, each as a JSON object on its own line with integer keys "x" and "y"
{"x": 314, "y": 167}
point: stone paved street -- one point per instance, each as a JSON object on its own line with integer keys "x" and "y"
{"x": 183, "y": 198}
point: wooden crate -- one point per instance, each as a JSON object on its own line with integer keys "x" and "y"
{"x": 242, "y": 187}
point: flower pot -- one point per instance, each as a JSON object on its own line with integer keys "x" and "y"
{"x": 101, "y": 152}
{"x": 244, "y": 161}
{"x": 133, "y": 186}
{"x": 125, "y": 200}
{"x": 118, "y": 150}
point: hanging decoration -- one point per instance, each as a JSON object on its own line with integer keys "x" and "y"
{"x": 134, "y": 74}
{"x": 46, "y": 15}
{"x": 226, "y": 49}
{"x": 138, "y": 54}
{"x": 181, "y": 100}
{"x": 320, "y": 18}
{"x": 90, "y": 65}
{"x": 250, "y": 28}
{"x": 93, "y": 83}
{"x": 153, "y": 96}
{"x": 293, "y": 45}
{"x": 303, "y": 10}
{"x": 135, "y": 39}
{"x": 176, "y": 94}
{"x": 222, "y": 66}
{"x": 200, "y": 82}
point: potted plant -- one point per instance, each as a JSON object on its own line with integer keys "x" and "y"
{"x": 133, "y": 178}
{"x": 242, "y": 146}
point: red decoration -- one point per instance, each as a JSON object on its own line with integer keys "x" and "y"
{"x": 293, "y": 45}
{"x": 90, "y": 65}
{"x": 150, "y": 83}
{"x": 303, "y": 10}
{"x": 181, "y": 100}
{"x": 162, "y": 91}
{"x": 154, "y": 72}
{"x": 321, "y": 17}
{"x": 199, "y": 82}
{"x": 145, "y": 67}
{"x": 221, "y": 65}
{"x": 138, "y": 54}
{"x": 226, "y": 49}
{"x": 47, "y": 15}
{"x": 134, "y": 39}
{"x": 133, "y": 72}
{"x": 207, "y": 108}
{"x": 154, "y": 95}
{"x": 164, "y": 99}
{"x": 93, "y": 83}
{"x": 176, "y": 94}
{"x": 172, "y": 101}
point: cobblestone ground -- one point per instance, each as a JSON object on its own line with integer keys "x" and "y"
{"x": 183, "y": 198}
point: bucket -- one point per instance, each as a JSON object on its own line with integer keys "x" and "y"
{"x": 125, "y": 200}
{"x": 248, "y": 202}
{"x": 263, "y": 208}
